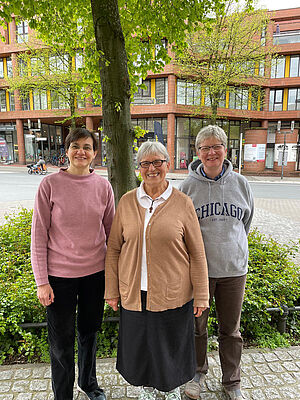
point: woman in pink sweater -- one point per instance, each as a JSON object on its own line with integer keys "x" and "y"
{"x": 72, "y": 217}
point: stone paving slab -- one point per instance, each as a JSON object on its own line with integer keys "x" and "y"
{"x": 266, "y": 374}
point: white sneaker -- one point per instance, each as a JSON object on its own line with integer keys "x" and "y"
{"x": 147, "y": 393}
{"x": 192, "y": 388}
{"x": 173, "y": 394}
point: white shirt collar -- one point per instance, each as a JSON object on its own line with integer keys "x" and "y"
{"x": 142, "y": 194}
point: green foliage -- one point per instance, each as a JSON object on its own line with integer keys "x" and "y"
{"x": 272, "y": 281}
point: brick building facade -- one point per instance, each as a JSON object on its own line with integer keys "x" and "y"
{"x": 33, "y": 126}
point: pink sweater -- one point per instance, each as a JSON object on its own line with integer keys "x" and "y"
{"x": 71, "y": 222}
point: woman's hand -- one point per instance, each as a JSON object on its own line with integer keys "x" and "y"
{"x": 45, "y": 295}
{"x": 113, "y": 303}
{"x": 198, "y": 311}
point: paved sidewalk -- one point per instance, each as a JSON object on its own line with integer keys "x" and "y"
{"x": 265, "y": 375}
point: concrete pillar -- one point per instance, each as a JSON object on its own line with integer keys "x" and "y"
{"x": 255, "y": 137}
{"x": 89, "y": 123}
{"x": 171, "y": 140}
{"x": 21, "y": 142}
{"x": 171, "y": 89}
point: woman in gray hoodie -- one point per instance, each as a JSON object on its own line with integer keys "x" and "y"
{"x": 224, "y": 205}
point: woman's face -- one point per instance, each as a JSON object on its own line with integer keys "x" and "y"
{"x": 154, "y": 175}
{"x": 212, "y": 158}
{"x": 81, "y": 153}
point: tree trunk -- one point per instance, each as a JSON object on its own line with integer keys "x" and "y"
{"x": 72, "y": 110}
{"x": 115, "y": 85}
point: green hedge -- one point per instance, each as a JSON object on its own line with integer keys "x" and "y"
{"x": 272, "y": 280}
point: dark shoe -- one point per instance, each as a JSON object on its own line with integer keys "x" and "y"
{"x": 97, "y": 394}
{"x": 234, "y": 394}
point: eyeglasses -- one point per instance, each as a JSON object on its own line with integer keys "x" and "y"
{"x": 155, "y": 163}
{"x": 215, "y": 147}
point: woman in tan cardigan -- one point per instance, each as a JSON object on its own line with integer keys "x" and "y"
{"x": 156, "y": 270}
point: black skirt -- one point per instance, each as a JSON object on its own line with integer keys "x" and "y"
{"x": 157, "y": 349}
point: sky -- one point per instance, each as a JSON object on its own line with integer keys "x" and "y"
{"x": 279, "y": 4}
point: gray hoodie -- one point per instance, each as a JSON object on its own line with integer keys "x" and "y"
{"x": 225, "y": 210}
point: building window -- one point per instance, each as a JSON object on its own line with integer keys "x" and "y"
{"x": 278, "y": 67}
{"x": 188, "y": 93}
{"x": 78, "y": 61}
{"x": 294, "y": 99}
{"x": 11, "y": 101}
{"x": 58, "y": 100}
{"x": 294, "y": 66}
{"x": 161, "y": 91}
{"x": 40, "y": 100}
{"x": 22, "y": 32}
{"x": 276, "y": 100}
{"x": 286, "y": 37}
{"x": 25, "y": 103}
{"x": 145, "y": 92}
{"x": 1, "y": 68}
{"x": 22, "y": 68}
{"x": 238, "y": 98}
{"x": 143, "y": 95}
{"x": 80, "y": 100}
{"x": 3, "y": 107}
{"x": 38, "y": 66}
{"x": 256, "y": 99}
{"x": 9, "y": 67}
{"x": 58, "y": 63}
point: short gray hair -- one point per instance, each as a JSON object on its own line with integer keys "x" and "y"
{"x": 148, "y": 148}
{"x": 211, "y": 131}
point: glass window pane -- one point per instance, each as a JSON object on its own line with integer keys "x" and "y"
{"x": 280, "y": 68}
{"x": 196, "y": 125}
{"x": 1, "y": 69}
{"x": 181, "y": 91}
{"x": 292, "y": 99}
{"x": 273, "y": 68}
{"x": 2, "y": 101}
{"x": 9, "y": 67}
{"x": 278, "y": 96}
{"x": 182, "y": 151}
{"x": 271, "y": 100}
{"x": 182, "y": 127}
{"x": 294, "y": 66}
{"x": 160, "y": 91}
{"x": 190, "y": 93}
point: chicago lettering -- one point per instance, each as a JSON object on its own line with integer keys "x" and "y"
{"x": 212, "y": 209}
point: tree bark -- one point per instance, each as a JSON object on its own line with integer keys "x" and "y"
{"x": 115, "y": 85}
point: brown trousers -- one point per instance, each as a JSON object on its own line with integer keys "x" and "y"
{"x": 229, "y": 295}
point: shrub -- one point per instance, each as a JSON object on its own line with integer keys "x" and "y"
{"x": 272, "y": 281}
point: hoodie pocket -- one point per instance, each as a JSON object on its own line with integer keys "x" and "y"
{"x": 226, "y": 258}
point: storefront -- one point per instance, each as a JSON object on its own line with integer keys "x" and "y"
{"x": 187, "y": 130}
{"x": 8, "y": 144}
{"x": 44, "y": 140}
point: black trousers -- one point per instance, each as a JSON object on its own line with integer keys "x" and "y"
{"x": 86, "y": 295}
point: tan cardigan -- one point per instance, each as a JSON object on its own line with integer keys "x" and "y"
{"x": 176, "y": 263}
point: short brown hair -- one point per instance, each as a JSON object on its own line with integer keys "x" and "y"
{"x": 79, "y": 133}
